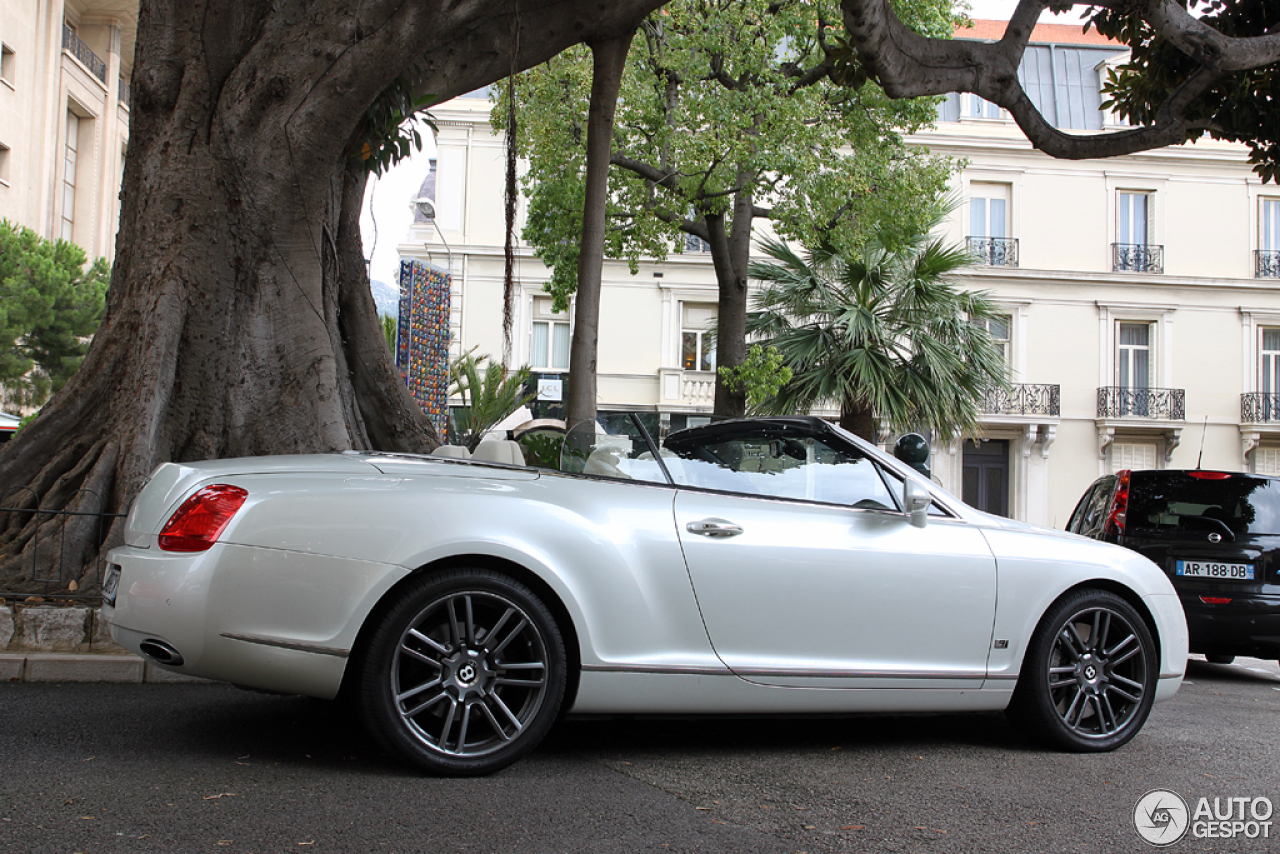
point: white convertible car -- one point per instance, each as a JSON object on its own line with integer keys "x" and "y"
{"x": 775, "y": 565}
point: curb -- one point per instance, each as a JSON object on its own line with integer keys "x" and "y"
{"x": 72, "y": 667}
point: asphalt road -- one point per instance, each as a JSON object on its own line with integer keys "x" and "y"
{"x": 196, "y": 768}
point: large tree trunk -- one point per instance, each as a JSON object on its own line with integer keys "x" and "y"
{"x": 608, "y": 59}
{"x": 239, "y": 319}
{"x": 730, "y": 255}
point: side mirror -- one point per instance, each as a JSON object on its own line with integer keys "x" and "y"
{"x": 916, "y": 500}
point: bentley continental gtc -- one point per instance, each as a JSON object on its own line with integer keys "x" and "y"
{"x": 464, "y": 601}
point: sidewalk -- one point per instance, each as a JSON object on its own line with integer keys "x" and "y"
{"x": 47, "y": 643}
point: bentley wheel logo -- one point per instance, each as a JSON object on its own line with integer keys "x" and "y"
{"x": 467, "y": 673}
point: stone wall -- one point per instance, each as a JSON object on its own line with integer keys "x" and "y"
{"x": 46, "y": 628}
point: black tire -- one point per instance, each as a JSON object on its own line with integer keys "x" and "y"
{"x": 1089, "y": 676}
{"x": 464, "y": 674}
{"x": 1219, "y": 658}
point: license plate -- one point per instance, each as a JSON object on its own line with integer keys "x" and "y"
{"x": 110, "y": 584}
{"x": 1210, "y": 569}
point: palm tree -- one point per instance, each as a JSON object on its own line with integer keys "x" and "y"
{"x": 487, "y": 397}
{"x": 882, "y": 332}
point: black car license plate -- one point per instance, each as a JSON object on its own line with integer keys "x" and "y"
{"x": 1214, "y": 569}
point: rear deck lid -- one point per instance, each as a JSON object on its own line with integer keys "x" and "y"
{"x": 172, "y": 482}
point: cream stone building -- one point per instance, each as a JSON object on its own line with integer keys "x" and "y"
{"x": 64, "y": 116}
{"x": 1140, "y": 295}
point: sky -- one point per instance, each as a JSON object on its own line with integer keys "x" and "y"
{"x": 387, "y": 215}
{"x": 1002, "y": 10}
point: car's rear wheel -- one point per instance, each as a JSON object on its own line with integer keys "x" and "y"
{"x": 464, "y": 674}
{"x": 1089, "y": 676}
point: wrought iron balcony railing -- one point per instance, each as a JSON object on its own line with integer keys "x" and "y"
{"x": 1258, "y": 407}
{"x": 994, "y": 251}
{"x": 1266, "y": 264}
{"x": 1158, "y": 404}
{"x": 126, "y": 92}
{"x": 1137, "y": 258}
{"x": 71, "y": 42}
{"x": 1022, "y": 399}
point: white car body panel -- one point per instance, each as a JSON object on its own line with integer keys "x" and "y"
{"x": 662, "y": 620}
{"x": 825, "y": 596}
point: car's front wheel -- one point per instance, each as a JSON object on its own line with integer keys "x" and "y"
{"x": 1089, "y": 676}
{"x": 464, "y": 674}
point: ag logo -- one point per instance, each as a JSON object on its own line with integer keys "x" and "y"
{"x": 1161, "y": 817}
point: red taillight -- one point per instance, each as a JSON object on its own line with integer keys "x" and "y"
{"x": 1210, "y": 475}
{"x": 1215, "y": 600}
{"x": 1119, "y": 504}
{"x": 198, "y": 522}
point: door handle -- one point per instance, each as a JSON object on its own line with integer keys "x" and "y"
{"x": 715, "y": 528}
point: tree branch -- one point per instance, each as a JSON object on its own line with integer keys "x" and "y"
{"x": 1208, "y": 47}
{"x": 907, "y": 64}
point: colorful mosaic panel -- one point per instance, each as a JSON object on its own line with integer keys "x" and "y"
{"x": 422, "y": 343}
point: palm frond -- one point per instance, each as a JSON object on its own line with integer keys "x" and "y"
{"x": 882, "y": 330}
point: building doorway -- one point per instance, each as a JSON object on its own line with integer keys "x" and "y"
{"x": 986, "y": 475}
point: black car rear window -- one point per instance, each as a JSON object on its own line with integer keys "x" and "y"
{"x": 1169, "y": 500}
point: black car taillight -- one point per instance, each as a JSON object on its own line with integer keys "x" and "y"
{"x": 1119, "y": 505}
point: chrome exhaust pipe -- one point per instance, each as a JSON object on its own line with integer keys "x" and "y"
{"x": 161, "y": 652}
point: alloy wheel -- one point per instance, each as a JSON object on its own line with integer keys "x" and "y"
{"x": 470, "y": 674}
{"x": 1098, "y": 672}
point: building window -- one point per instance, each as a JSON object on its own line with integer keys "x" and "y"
{"x": 1134, "y": 250}
{"x": 958, "y": 105}
{"x": 1133, "y": 359}
{"x": 1133, "y": 367}
{"x": 69, "y": 177}
{"x": 696, "y": 350}
{"x": 1269, "y": 362}
{"x": 978, "y": 107}
{"x": 4, "y": 163}
{"x": 989, "y": 239}
{"x": 694, "y": 243}
{"x": 1133, "y": 456}
{"x": 998, "y": 328}
{"x": 1134, "y": 218}
{"x": 549, "y": 339}
{"x": 1267, "y": 262}
{"x": 8, "y": 64}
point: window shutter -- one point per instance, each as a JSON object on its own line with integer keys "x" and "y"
{"x": 1132, "y": 456}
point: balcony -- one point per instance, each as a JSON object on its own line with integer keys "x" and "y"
{"x": 1155, "y": 404}
{"x": 1266, "y": 264}
{"x": 1022, "y": 399}
{"x": 994, "y": 251}
{"x": 73, "y": 45}
{"x": 1259, "y": 407}
{"x": 1137, "y": 258}
{"x": 687, "y": 390}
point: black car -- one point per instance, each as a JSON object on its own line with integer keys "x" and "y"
{"x": 1216, "y": 534}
